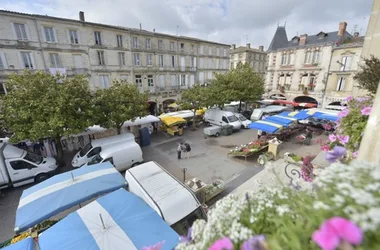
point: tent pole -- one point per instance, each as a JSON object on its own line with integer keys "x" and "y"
{"x": 101, "y": 219}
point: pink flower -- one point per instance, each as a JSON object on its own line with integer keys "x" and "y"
{"x": 355, "y": 154}
{"x": 156, "y": 246}
{"x": 325, "y": 148}
{"x": 336, "y": 229}
{"x": 366, "y": 111}
{"x": 332, "y": 137}
{"x": 222, "y": 244}
{"x": 343, "y": 113}
{"x": 343, "y": 139}
{"x": 349, "y": 98}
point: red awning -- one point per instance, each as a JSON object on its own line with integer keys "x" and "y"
{"x": 304, "y": 104}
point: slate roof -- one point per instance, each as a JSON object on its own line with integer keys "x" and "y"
{"x": 280, "y": 39}
{"x": 141, "y": 31}
{"x": 245, "y": 49}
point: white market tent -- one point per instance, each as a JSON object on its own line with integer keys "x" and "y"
{"x": 141, "y": 121}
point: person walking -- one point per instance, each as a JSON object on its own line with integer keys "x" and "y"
{"x": 186, "y": 150}
{"x": 179, "y": 151}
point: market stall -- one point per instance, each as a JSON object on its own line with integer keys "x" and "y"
{"x": 172, "y": 125}
{"x": 266, "y": 126}
{"x": 24, "y": 244}
{"x": 119, "y": 220}
{"x": 250, "y": 148}
{"x": 64, "y": 191}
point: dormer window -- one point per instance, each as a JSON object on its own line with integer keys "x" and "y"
{"x": 295, "y": 39}
{"x": 321, "y": 35}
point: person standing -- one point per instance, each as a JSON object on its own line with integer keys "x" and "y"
{"x": 259, "y": 133}
{"x": 179, "y": 151}
{"x": 186, "y": 150}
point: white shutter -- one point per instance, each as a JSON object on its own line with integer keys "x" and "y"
{"x": 186, "y": 80}
{"x": 3, "y": 60}
{"x": 304, "y": 80}
{"x": 195, "y": 62}
{"x": 348, "y": 63}
{"x": 201, "y": 49}
{"x": 191, "y": 80}
{"x": 182, "y": 63}
{"x": 209, "y": 75}
{"x": 282, "y": 80}
{"x": 201, "y": 63}
{"x": 162, "y": 81}
{"x": 201, "y": 77}
{"x": 217, "y": 63}
{"x": 288, "y": 79}
{"x": 173, "y": 82}
{"x": 344, "y": 59}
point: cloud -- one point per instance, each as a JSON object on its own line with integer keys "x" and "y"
{"x": 226, "y": 21}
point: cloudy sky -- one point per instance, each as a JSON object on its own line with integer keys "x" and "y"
{"x": 226, "y": 21}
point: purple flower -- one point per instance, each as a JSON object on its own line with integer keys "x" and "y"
{"x": 349, "y": 98}
{"x": 356, "y": 145}
{"x": 366, "y": 111}
{"x": 222, "y": 244}
{"x": 343, "y": 113}
{"x": 187, "y": 238}
{"x": 343, "y": 139}
{"x": 332, "y": 137}
{"x": 335, "y": 154}
{"x": 355, "y": 154}
{"x": 336, "y": 229}
{"x": 254, "y": 243}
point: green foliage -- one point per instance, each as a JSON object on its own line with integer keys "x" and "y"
{"x": 194, "y": 98}
{"x": 42, "y": 105}
{"x": 369, "y": 76}
{"x": 119, "y": 103}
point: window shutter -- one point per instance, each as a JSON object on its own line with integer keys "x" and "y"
{"x": 344, "y": 59}
{"x": 348, "y": 63}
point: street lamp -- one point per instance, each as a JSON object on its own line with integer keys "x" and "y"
{"x": 184, "y": 174}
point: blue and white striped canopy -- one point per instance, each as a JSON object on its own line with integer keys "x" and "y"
{"x": 25, "y": 244}
{"x": 266, "y": 126}
{"x": 118, "y": 221}
{"x": 64, "y": 191}
{"x": 282, "y": 120}
{"x": 326, "y": 116}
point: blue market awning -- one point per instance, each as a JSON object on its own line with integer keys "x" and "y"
{"x": 118, "y": 221}
{"x": 25, "y": 244}
{"x": 299, "y": 115}
{"x": 266, "y": 126}
{"x": 326, "y": 116}
{"x": 282, "y": 120}
{"x": 64, "y": 191}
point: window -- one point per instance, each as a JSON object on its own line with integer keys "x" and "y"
{"x": 104, "y": 82}
{"x": 209, "y": 51}
{"x": 20, "y": 31}
{"x": 49, "y": 34}
{"x": 182, "y": 46}
{"x": 110, "y": 159}
{"x": 149, "y": 59}
{"x": 201, "y": 49}
{"x": 316, "y": 56}
{"x": 172, "y": 46}
{"x": 96, "y": 150}
{"x": 340, "y": 84}
{"x": 101, "y": 59}
{"x": 162, "y": 81}
{"x": 33, "y": 158}
{"x": 138, "y": 80}
{"x": 147, "y": 43}
{"x": 224, "y": 119}
{"x": 27, "y": 60}
{"x": 98, "y": 38}
{"x": 3, "y": 63}
{"x": 121, "y": 58}
{"x": 19, "y": 165}
{"x": 54, "y": 60}
{"x": 160, "y": 45}
{"x": 73, "y": 37}
{"x": 173, "y": 80}
{"x": 240, "y": 56}
{"x": 193, "y": 62}
{"x": 290, "y": 60}
{"x": 183, "y": 80}
{"x": 225, "y": 52}
{"x": 192, "y": 48}
{"x": 217, "y": 51}
{"x": 136, "y": 42}
{"x": 136, "y": 59}
{"x": 124, "y": 77}
{"x": 150, "y": 80}
{"x": 119, "y": 39}
{"x": 312, "y": 57}
{"x": 95, "y": 160}
{"x": 173, "y": 61}
{"x": 161, "y": 60}
{"x": 284, "y": 59}
{"x": 346, "y": 63}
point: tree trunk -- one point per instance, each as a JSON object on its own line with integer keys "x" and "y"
{"x": 119, "y": 130}
{"x": 194, "y": 126}
{"x": 239, "y": 106}
{"x": 60, "y": 159}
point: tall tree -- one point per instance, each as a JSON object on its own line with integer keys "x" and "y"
{"x": 194, "y": 97}
{"x": 369, "y": 76}
{"x": 40, "y": 105}
{"x": 119, "y": 103}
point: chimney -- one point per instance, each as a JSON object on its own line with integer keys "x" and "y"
{"x": 303, "y": 39}
{"x": 248, "y": 45}
{"x": 342, "y": 28}
{"x": 261, "y": 48}
{"x": 140, "y": 26}
{"x": 356, "y": 34}
{"x": 81, "y": 16}
{"x": 233, "y": 46}
{"x": 154, "y": 30}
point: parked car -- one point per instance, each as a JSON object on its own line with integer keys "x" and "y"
{"x": 244, "y": 121}
{"x": 219, "y": 117}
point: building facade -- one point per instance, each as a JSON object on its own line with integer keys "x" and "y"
{"x": 298, "y": 68}
{"x": 256, "y": 58}
{"x": 157, "y": 63}
{"x": 343, "y": 66}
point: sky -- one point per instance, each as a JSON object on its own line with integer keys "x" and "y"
{"x": 225, "y": 21}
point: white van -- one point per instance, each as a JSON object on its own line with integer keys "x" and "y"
{"x": 259, "y": 113}
{"x": 96, "y": 146}
{"x": 170, "y": 198}
{"x": 122, "y": 156}
{"x": 220, "y": 118}
{"x": 19, "y": 167}
{"x": 244, "y": 121}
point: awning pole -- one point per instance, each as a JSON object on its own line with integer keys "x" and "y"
{"x": 101, "y": 219}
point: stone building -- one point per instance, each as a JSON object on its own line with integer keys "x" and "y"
{"x": 256, "y": 58}
{"x": 298, "y": 68}
{"x": 157, "y": 63}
